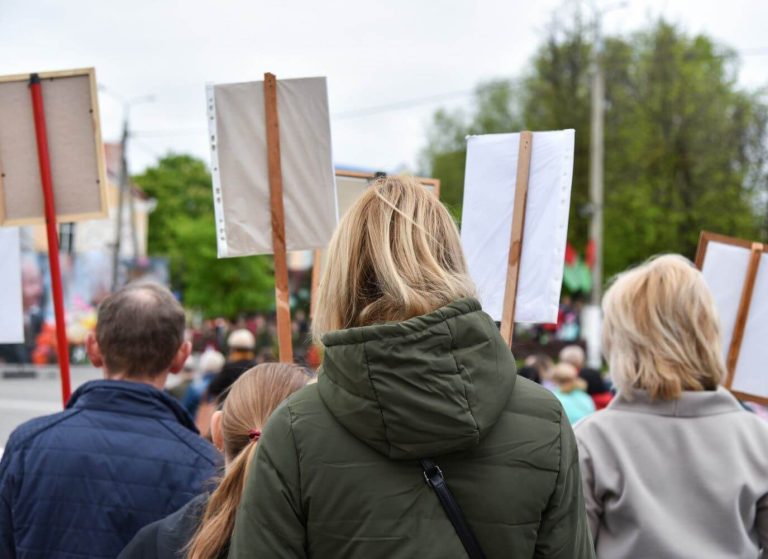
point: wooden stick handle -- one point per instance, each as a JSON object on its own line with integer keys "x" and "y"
{"x": 743, "y": 313}
{"x": 284, "y": 334}
{"x": 516, "y": 242}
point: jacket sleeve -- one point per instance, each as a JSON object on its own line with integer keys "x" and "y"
{"x": 593, "y": 504}
{"x": 564, "y": 532}
{"x": 270, "y": 521}
{"x": 7, "y": 544}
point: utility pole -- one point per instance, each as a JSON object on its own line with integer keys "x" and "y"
{"x": 597, "y": 162}
{"x": 123, "y": 186}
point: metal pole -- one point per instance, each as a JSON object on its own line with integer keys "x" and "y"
{"x": 46, "y": 178}
{"x": 596, "y": 165}
{"x": 120, "y": 203}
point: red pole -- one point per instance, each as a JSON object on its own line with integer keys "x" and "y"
{"x": 50, "y": 226}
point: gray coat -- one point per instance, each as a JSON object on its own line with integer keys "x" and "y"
{"x": 676, "y": 479}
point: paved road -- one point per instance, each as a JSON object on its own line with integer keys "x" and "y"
{"x": 24, "y": 398}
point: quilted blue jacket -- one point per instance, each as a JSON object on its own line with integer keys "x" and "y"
{"x": 82, "y": 482}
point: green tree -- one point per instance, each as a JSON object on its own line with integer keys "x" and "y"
{"x": 182, "y": 229}
{"x": 684, "y": 145}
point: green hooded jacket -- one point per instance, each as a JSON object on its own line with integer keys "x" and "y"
{"x": 337, "y": 475}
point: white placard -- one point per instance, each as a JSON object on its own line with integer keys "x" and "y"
{"x": 725, "y": 269}
{"x": 12, "y": 316}
{"x": 237, "y": 134}
{"x": 489, "y": 198}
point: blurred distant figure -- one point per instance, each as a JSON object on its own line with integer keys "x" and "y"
{"x": 569, "y": 389}
{"x": 82, "y": 482}
{"x": 211, "y": 363}
{"x": 674, "y": 467}
{"x": 543, "y": 364}
{"x": 241, "y": 344}
{"x": 596, "y": 386}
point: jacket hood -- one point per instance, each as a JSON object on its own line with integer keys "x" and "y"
{"x": 428, "y": 386}
{"x": 135, "y": 398}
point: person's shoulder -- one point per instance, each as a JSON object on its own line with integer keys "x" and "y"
{"x": 29, "y": 431}
{"x": 198, "y": 447}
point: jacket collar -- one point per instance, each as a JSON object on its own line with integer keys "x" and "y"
{"x": 690, "y": 404}
{"x": 132, "y": 398}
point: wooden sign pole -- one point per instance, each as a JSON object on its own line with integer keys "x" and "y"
{"x": 743, "y": 313}
{"x": 516, "y": 243}
{"x": 284, "y": 334}
{"x": 46, "y": 177}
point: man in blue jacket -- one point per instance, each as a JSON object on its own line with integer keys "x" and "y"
{"x": 82, "y": 482}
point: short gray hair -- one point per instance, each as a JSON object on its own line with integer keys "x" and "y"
{"x": 139, "y": 329}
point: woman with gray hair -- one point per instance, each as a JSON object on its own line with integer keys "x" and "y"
{"x": 674, "y": 467}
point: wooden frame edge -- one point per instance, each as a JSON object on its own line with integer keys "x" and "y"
{"x": 100, "y": 155}
{"x": 48, "y": 74}
{"x": 749, "y": 397}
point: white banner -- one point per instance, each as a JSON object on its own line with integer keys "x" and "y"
{"x": 486, "y": 227}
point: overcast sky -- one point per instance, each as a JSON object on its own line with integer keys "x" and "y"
{"x": 374, "y": 53}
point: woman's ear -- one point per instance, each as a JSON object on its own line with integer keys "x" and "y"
{"x": 216, "y": 435}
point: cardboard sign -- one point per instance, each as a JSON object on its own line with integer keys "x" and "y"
{"x": 74, "y": 143}
{"x": 736, "y": 272}
{"x": 350, "y": 185}
{"x": 12, "y": 317}
{"x": 236, "y": 118}
{"x": 490, "y": 191}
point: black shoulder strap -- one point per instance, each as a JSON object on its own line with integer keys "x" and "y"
{"x": 434, "y": 476}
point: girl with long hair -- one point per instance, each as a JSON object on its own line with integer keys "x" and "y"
{"x": 202, "y": 528}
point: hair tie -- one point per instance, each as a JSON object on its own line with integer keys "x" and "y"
{"x": 254, "y": 435}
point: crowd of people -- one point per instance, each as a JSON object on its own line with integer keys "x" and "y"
{"x": 416, "y": 438}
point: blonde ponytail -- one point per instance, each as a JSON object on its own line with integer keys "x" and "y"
{"x": 249, "y": 403}
{"x": 212, "y": 537}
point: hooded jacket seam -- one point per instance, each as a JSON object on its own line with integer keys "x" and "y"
{"x": 298, "y": 460}
{"x": 376, "y": 395}
{"x": 463, "y": 384}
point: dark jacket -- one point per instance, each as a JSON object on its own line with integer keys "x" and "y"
{"x": 82, "y": 482}
{"x": 167, "y": 538}
{"x": 337, "y": 475}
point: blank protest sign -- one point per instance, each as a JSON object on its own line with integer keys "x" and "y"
{"x": 724, "y": 267}
{"x": 237, "y": 128}
{"x": 489, "y": 197}
{"x": 11, "y": 317}
{"x": 74, "y": 143}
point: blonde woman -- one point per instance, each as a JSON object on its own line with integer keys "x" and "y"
{"x": 412, "y": 369}
{"x": 674, "y": 467}
{"x": 201, "y": 529}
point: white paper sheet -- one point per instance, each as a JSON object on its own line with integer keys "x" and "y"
{"x": 237, "y": 135}
{"x": 724, "y": 269}
{"x": 11, "y": 316}
{"x": 489, "y": 196}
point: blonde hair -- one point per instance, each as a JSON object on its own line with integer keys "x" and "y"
{"x": 249, "y": 402}
{"x": 396, "y": 254}
{"x": 566, "y": 376}
{"x": 661, "y": 331}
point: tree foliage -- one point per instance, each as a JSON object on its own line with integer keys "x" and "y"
{"x": 684, "y": 145}
{"x": 182, "y": 228}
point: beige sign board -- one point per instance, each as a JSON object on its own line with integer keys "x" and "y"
{"x": 74, "y": 144}
{"x": 238, "y": 141}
